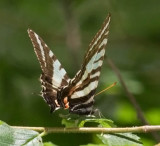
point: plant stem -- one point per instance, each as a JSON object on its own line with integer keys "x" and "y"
{"x": 137, "y": 129}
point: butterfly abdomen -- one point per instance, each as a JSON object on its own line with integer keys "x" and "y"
{"x": 83, "y": 109}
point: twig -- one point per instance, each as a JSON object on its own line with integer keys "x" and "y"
{"x": 132, "y": 99}
{"x": 47, "y": 130}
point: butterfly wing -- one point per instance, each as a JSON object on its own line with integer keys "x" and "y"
{"x": 84, "y": 84}
{"x": 53, "y": 74}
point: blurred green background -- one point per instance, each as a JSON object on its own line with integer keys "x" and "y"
{"x": 134, "y": 46}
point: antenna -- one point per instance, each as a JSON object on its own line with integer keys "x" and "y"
{"x": 106, "y": 88}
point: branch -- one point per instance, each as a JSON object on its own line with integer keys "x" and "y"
{"x": 132, "y": 99}
{"x": 47, "y": 130}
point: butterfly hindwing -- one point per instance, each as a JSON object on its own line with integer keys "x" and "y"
{"x": 84, "y": 84}
{"x": 53, "y": 74}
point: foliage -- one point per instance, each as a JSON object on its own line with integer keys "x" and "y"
{"x": 15, "y": 136}
{"x": 120, "y": 139}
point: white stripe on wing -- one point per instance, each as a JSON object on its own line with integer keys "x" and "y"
{"x": 41, "y": 48}
{"x": 85, "y": 91}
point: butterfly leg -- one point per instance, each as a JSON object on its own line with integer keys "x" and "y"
{"x": 98, "y": 113}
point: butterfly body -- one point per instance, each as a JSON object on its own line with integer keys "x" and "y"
{"x": 76, "y": 94}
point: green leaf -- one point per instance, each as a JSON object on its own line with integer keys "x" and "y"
{"x": 49, "y": 144}
{"x": 70, "y": 123}
{"x": 15, "y": 136}
{"x": 120, "y": 139}
{"x": 1, "y": 122}
{"x": 94, "y": 145}
{"x": 81, "y": 121}
{"x": 102, "y": 122}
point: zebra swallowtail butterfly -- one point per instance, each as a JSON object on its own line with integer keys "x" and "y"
{"x": 58, "y": 90}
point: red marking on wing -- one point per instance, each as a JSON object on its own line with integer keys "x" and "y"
{"x": 66, "y": 103}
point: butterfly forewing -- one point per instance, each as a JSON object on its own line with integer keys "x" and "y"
{"x": 53, "y": 74}
{"x": 84, "y": 84}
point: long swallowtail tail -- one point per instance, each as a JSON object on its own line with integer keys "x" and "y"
{"x": 58, "y": 90}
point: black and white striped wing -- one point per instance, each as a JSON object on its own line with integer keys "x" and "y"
{"x": 84, "y": 84}
{"x": 53, "y": 74}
